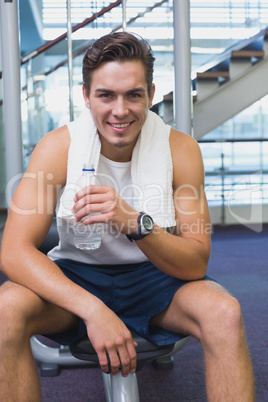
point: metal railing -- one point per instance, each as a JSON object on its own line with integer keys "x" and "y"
{"x": 226, "y": 188}
{"x": 62, "y": 37}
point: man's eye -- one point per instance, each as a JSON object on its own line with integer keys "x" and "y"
{"x": 134, "y": 95}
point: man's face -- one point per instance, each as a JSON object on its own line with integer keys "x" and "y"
{"x": 119, "y": 103}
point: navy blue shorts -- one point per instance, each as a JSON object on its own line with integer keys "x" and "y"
{"x": 135, "y": 292}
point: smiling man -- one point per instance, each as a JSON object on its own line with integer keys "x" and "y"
{"x": 119, "y": 100}
{"x": 149, "y": 274}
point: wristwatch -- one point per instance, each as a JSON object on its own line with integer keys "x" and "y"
{"x": 145, "y": 227}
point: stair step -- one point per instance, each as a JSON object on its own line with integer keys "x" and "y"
{"x": 168, "y": 97}
{"x": 212, "y": 75}
{"x": 247, "y": 54}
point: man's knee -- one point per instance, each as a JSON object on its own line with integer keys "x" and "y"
{"x": 229, "y": 314}
{"x": 224, "y": 322}
{"x": 14, "y": 312}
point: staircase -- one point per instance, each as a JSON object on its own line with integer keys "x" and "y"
{"x": 224, "y": 88}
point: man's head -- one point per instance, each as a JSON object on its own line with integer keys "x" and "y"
{"x": 120, "y": 47}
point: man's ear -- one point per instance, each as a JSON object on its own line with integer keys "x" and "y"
{"x": 152, "y": 95}
{"x": 85, "y": 96}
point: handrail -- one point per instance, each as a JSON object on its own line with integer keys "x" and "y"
{"x": 75, "y": 28}
{"x": 147, "y": 10}
{"x": 82, "y": 49}
{"x": 232, "y": 140}
{"x": 53, "y": 42}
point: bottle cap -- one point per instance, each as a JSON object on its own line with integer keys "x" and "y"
{"x": 88, "y": 168}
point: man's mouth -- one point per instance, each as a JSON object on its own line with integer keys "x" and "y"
{"x": 120, "y": 125}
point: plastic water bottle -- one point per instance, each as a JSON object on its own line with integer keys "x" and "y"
{"x": 86, "y": 237}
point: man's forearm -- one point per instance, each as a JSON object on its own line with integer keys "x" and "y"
{"x": 182, "y": 257}
{"x": 38, "y": 273}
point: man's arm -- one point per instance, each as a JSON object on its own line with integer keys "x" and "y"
{"x": 28, "y": 222}
{"x": 185, "y": 253}
{"x": 30, "y": 216}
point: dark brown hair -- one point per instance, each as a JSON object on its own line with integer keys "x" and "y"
{"x": 119, "y": 46}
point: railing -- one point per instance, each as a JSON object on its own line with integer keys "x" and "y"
{"x": 50, "y": 44}
{"x": 227, "y": 187}
{"x": 60, "y": 38}
{"x": 34, "y": 88}
{"x": 33, "y": 99}
{"x": 28, "y": 59}
{"x": 243, "y": 189}
{"x": 83, "y": 48}
{"x": 75, "y": 28}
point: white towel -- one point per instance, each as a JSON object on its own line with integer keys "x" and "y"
{"x": 151, "y": 166}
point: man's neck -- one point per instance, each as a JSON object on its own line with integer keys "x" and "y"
{"x": 117, "y": 153}
{"x": 117, "y": 156}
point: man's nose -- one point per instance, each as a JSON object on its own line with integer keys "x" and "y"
{"x": 120, "y": 108}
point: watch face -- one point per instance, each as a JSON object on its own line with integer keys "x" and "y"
{"x": 145, "y": 227}
{"x": 147, "y": 222}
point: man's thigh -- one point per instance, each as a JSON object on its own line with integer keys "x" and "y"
{"x": 192, "y": 304}
{"x": 38, "y": 315}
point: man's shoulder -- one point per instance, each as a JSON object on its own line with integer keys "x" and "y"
{"x": 51, "y": 154}
{"x": 59, "y": 136}
{"x": 56, "y": 142}
{"x": 181, "y": 142}
{"x": 186, "y": 158}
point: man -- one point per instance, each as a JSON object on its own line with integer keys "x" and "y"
{"x": 155, "y": 283}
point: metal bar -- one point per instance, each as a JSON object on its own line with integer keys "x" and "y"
{"x": 70, "y": 59}
{"x": 124, "y": 15}
{"x": 182, "y": 66}
{"x": 233, "y": 140}
{"x": 75, "y": 28}
{"x": 237, "y": 172}
{"x": 11, "y": 90}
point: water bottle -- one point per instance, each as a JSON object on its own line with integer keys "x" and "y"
{"x": 86, "y": 237}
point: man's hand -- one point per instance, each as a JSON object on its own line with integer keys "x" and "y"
{"x": 106, "y": 331}
{"x": 110, "y": 207}
{"x": 110, "y": 336}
